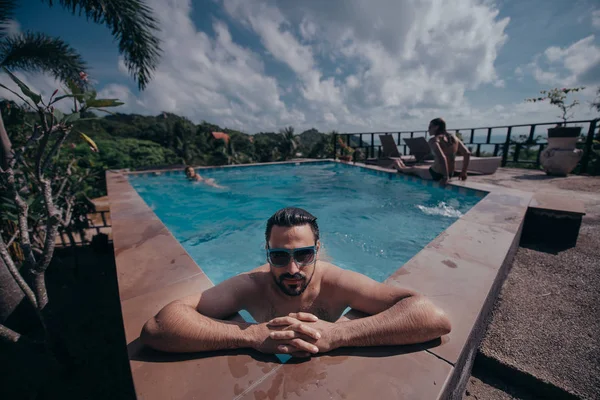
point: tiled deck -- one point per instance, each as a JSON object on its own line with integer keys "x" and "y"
{"x": 461, "y": 271}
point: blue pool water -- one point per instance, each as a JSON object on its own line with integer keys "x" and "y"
{"x": 369, "y": 223}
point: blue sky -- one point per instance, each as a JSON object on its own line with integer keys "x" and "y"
{"x": 348, "y": 65}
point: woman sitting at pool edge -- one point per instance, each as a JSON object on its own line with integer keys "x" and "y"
{"x": 444, "y": 146}
{"x": 193, "y": 176}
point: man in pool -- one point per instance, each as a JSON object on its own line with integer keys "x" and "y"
{"x": 193, "y": 176}
{"x": 298, "y": 301}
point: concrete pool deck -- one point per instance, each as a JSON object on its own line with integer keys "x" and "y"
{"x": 462, "y": 271}
{"x": 543, "y": 334}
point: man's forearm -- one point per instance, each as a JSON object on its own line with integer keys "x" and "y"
{"x": 466, "y": 160}
{"x": 180, "y": 328}
{"x": 411, "y": 320}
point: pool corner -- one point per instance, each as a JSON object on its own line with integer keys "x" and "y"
{"x": 461, "y": 271}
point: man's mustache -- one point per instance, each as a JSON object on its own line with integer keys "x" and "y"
{"x": 297, "y": 275}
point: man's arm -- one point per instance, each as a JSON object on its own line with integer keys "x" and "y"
{"x": 397, "y": 316}
{"x": 464, "y": 151}
{"x": 196, "y": 323}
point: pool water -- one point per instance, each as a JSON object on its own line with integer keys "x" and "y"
{"x": 369, "y": 223}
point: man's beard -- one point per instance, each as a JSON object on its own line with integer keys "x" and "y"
{"x": 293, "y": 290}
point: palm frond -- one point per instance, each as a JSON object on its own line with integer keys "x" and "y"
{"x": 37, "y": 52}
{"x": 7, "y": 10}
{"x": 132, "y": 23}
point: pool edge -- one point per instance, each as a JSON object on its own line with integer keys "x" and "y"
{"x": 128, "y": 210}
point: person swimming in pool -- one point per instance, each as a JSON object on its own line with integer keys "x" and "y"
{"x": 444, "y": 146}
{"x": 298, "y": 301}
{"x": 193, "y": 176}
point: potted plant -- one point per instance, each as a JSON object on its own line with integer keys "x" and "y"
{"x": 560, "y": 157}
{"x": 346, "y": 150}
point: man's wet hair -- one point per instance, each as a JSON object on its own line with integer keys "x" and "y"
{"x": 292, "y": 216}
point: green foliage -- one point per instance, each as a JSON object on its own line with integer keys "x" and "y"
{"x": 323, "y": 147}
{"x": 38, "y": 134}
{"x": 128, "y": 153}
{"x": 288, "y": 143}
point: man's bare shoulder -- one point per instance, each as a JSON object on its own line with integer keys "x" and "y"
{"x": 254, "y": 279}
{"x": 332, "y": 275}
{"x": 235, "y": 290}
{"x": 340, "y": 278}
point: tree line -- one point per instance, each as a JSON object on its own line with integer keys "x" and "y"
{"x": 142, "y": 142}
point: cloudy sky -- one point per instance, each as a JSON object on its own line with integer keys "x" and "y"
{"x": 348, "y": 65}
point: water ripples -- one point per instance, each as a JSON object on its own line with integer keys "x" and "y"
{"x": 368, "y": 223}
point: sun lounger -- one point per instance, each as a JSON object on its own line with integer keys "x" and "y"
{"x": 390, "y": 153}
{"x": 480, "y": 165}
{"x": 419, "y": 148}
{"x": 477, "y": 165}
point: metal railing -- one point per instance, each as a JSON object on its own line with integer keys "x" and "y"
{"x": 79, "y": 238}
{"x": 523, "y": 151}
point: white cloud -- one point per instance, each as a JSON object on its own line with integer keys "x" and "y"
{"x": 405, "y": 55}
{"x": 344, "y": 65}
{"x": 201, "y": 77}
{"x": 330, "y": 118}
{"x": 577, "y": 64}
{"x": 308, "y": 29}
{"x": 596, "y": 19}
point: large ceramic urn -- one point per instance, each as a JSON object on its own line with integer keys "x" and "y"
{"x": 561, "y": 156}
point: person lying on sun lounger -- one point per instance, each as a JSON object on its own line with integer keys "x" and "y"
{"x": 297, "y": 301}
{"x": 444, "y": 147}
{"x": 193, "y": 176}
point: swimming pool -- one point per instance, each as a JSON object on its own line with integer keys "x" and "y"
{"x": 369, "y": 223}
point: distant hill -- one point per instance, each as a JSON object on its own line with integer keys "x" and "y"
{"x": 181, "y": 141}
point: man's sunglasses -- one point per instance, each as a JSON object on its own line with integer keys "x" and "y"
{"x": 281, "y": 257}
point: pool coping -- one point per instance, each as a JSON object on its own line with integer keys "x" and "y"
{"x": 461, "y": 271}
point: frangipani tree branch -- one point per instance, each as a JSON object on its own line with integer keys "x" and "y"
{"x": 9, "y": 335}
{"x": 9, "y": 179}
{"x": 12, "y": 268}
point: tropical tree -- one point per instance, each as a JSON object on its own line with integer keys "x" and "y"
{"x": 182, "y": 140}
{"x": 37, "y": 184}
{"x": 29, "y": 170}
{"x": 131, "y": 23}
{"x": 324, "y": 147}
{"x": 596, "y": 102}
{"x": 288, "y": 143}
